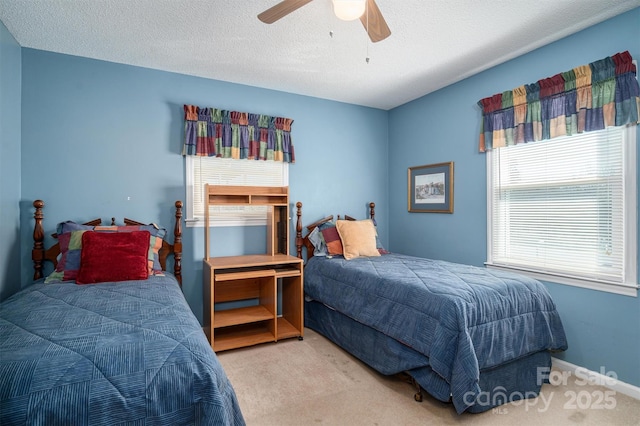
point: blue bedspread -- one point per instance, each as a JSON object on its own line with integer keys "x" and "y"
{"x": 129, "y": 352}
{"x": 462, "y": 318}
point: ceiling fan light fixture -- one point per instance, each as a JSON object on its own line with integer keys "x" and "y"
{"x": 348, "y": 10}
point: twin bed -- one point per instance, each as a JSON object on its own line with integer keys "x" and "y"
{"x": 470, "y": 335}
{"x": 124, "y": 348}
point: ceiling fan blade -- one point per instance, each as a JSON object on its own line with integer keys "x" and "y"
{"x": 374, "y": 22}
{"x": 281, "y": 10}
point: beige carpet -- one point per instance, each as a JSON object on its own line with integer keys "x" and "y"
{"x": 314, "y": 382}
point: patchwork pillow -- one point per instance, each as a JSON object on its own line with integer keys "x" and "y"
{"x": 331, "y": 238}
{"x": 315, "y": 237}
{"x": 113, "y": 256}
{"x": 70, "y": 239}
{"x": 358, "y": 238}
{"x": 69, "y": 226}
{"x": 69, "y": 261}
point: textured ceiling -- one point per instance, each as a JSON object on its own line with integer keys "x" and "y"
{"x": 433, "y": 43}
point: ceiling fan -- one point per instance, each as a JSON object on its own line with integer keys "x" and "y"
{"x": 347, "y": 10}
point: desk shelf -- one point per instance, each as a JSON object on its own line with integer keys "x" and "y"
{"x": 250, "y": 278}
{"x": 240, "y": 316}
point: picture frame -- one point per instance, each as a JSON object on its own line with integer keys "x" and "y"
{"x": 430, "y": 188}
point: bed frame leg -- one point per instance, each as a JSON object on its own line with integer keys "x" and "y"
{"x": 418, "y": 395}
{"x": 409, "y": 379}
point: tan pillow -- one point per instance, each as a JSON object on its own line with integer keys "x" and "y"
{"x": 358, "y": 238}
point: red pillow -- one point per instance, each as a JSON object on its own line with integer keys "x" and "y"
{"x": 117, "y": 256}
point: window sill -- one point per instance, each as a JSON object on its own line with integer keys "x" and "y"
{"x": 622, "y": 289}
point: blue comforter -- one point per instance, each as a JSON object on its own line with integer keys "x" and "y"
{"x": 110, "y": 353}
{"x": 463, "y": 318}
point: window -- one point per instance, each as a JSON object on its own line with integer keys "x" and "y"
{"x": 564, "y": 210}
{"x": 227, "y": 171}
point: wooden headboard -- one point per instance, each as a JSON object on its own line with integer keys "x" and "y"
{"x": 39, "y": 254}
{"x": 304, "y": 241}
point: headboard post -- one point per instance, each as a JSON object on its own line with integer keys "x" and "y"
{"x": 37, "y": 254}
{"x": 177, "y": 243}
{"x": 372, "y": 211}
{"x": 299, "y": 229}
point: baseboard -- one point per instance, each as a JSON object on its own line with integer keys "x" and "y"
{"x": 598, "y": 378}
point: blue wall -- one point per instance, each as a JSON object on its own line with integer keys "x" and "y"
{"x": 96, "y": 133}
{"x": 10, "y": 83}
{"x": 603, "y": 329}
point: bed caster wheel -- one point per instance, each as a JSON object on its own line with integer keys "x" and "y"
{"x": 300, "y": 338}
{"x": 418, "y": 397}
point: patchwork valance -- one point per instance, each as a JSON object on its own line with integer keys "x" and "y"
{"x": 587, "y": 98}
{"x": 230, "y": 134}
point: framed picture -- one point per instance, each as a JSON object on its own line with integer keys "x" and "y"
{"x": 431, "y": 188}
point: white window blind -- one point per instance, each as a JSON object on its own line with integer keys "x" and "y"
{"x": 566, "y": 207}
{"x": 227, "y": 171}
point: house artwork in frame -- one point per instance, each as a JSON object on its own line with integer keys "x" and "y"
{"x": 430, "y": 188}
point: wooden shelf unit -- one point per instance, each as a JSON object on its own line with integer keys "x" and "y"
{"x": 253, "y": 278}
